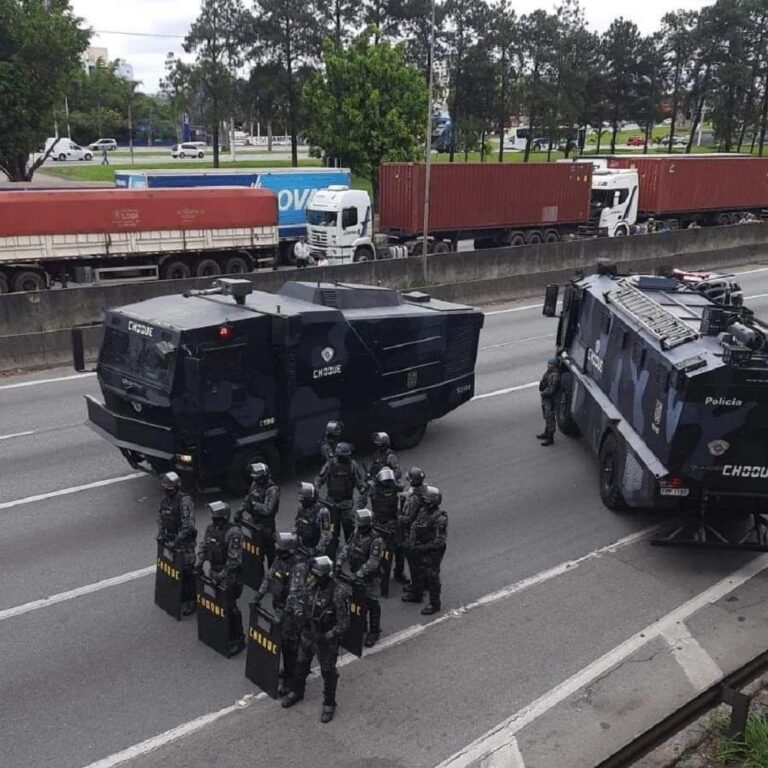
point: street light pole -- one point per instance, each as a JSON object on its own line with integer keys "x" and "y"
{"x": 428, "y": 141}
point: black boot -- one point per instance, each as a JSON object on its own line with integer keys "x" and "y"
{"x": 330, "y": 681}
{"x": 412, "y": 597}
{"x": 542, "y": 436}
{"x": 290, "y": 699}
{"x": 327, "y": 714}
{"x": 548, "y": 441}
{"x": 430, "y": 608}
{"x": 189, "y": 608}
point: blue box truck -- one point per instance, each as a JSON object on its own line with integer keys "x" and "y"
{"x": 293, "y": 187}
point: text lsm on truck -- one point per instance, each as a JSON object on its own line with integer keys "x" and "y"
{"x": 212, "y": 381}
{"x": 666, "y": 379}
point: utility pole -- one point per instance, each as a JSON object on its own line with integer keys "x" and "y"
{"x": 66, "y": 110}
{"x": 428, "y": 142}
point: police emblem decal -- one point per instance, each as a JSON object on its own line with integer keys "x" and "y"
{"x": 718, "y": 447}
{"x": 327, "y": 354}
{"x": 411, "y": 378}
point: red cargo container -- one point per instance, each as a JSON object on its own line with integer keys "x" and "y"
{"x": 103, "y": 211}
{"x": 680, "y": 185}
{"x": 476, "y": 197}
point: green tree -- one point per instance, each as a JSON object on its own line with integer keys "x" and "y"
{"x": 40, "y": 46}
{"x": 367, "y": 107}
{"x": 176, "y": 87}
{"x": 504, "y": 40}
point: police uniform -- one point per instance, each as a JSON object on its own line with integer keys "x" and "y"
{"x": 361, "y": 556}
{"x": 342, "y": 477}
{"x": 383, "y": 499}
{"x": 411, "y": 503}
{"x": 384, "y": 457}
{"x": 427, "y": 541}
{"x": 176, "y": 530}
{"x": 259, "y": 509}
{"x": 314, "y": 529}
{"x": 549, "y": 387}
{"x": 222, "y": 547}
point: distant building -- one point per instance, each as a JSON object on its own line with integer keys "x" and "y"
{"x": 124, "y": 69}
{"x": 95, "y": 57}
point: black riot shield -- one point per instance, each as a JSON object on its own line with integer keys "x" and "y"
{"x": 213, "y": 606}
{"x": 352, "y": 640}
{"x": 253, "y": 556}
{"x": 169, "y": 580}
{"x": 262, "y": 660}
{"x": 388, "y": 539}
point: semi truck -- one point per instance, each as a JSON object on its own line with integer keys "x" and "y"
{"x": 293, "y": 187}
{"x": 666, "y": 379}
{"x": 105, "y": 235}
{"x": 214, "y": 380}
{"x": 498, "y": 205}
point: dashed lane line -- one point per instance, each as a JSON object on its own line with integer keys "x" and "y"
{"x": 38, "y": 382}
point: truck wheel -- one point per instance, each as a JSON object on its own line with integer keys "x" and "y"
{"x": 4, "y": 286}
{"x": 442, "y": 247}
{"x": 207, "y": 268}
{"x": 723, "y": 220}
{"x": 551, "y": 236}
{"x": 238, "y": 480}
{"x": 28, "y": 280}
{"x": 237, "y": 265}
{"x": 517, "y": 238}
{"x": 363, "y": 253}
{"x": 610, "y": 474}
{"x": 408, "y": 438}
{"x": 621, "y": 231}
{"x": 175, "y": 270}
{"x": 535, "y": 237}
{"x": 564, "y": 411}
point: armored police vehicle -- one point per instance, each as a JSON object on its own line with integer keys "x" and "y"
{"x": 212, "y": 381}
{"x": 670, "y": 389}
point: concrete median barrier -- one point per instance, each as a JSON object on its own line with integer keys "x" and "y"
{"x": 34, "y": 327}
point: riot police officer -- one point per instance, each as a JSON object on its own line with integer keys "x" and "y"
{"x": 409, "y": 508}
{"x": 549, "y": 388}
{"x": 383, "y": 498}
{"x": 286, "y": 581}
{"x": 426, "y": 547}
{"x": 383, "y": 456}
{"x": 313, "y": 522}
{"x": 260, "y": 506}
{"x": 331, "y": 440}
{"x": 176, "y": 530}
{"x": 342, "y": 475}
{"x": 325, "y": 618}
{"x": 222, "y": 549}
{"x": 361, "y": 557}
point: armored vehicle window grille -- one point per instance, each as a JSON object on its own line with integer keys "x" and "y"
{"x": 291, "y": 370}
{"x": 329, "y": 298}
{"x": 461, "y": 348}
{"x": 663, "y": 325}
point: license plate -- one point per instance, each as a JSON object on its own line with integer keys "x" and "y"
{"x": 675, "y": 491}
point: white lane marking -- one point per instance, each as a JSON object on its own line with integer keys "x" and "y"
{"x": 185, "y": 729}
{"x": 752, "y": 271}
{"x": 699, "y": 667}
{"x": 501, "y": 734}
{"x": 62, "y": 597}
{"x": 507, "y": 757}
{"x": 514, "y": 309}
{"x": 506, "y": 390}
{"x": 18, "y": 434}
{"x": 46, "y": 381}
{"x": 756, "y": 296}
{"x": 68, "y": 491}
{"x": 516, "y": 341}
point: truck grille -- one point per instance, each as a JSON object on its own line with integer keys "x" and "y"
{"x": 461, "y": 348}
{"x": 318, "y": 238}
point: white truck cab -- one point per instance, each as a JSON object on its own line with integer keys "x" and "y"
{"x": 340, "y": 224}
{"x": 614, "y": 201}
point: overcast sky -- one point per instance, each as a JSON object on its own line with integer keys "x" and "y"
{"x": 173, "y": 17}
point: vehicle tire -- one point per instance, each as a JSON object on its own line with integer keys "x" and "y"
{"x": 610, "y": 474}
{"x": 723, "y": 220}
{"x": 207, "y": 268}
{"x": 237, "y": 265}
{"x": 551, "y": 236}
{"x": 4, "y": 283}
{"x": 517, "y": 238}
{"x": 238, "y": 480}
{"x": 175, "y": 269}
{"x": 28, "y": 280}
{"x": 534, "y": 237}
{"x": 181, "y": 154}
{"x": 563, "y": 411}
{"x": 363, "y": 253}
{"x": 442, "y": 247}
{"x": 409, "y": 438}
{"x": 62, "y": 157}
{"x": 734, "y": 218}
{"x": 87, "y": 156}
{"x": 621, "y": 231}
{"x": 201, "y": 155}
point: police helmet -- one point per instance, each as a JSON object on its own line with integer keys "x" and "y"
{"x": 380, "y": 439}
{"x": 219, "y": 510}
{"x": 416, "y": 476}
{"x": 334, "y": 429}
{"x": 321, "y": 566}
{"x": 386, "y": 475}
{"x": 286, "y": 542}
{"x": 364, "y": 519}
{"x": 552, "y": 362}
{"x": 259, "y": 471}
{"x": 307, "y": 492}
{"x": 432, "y": 496}
{"x": 170, "y": 481}
{"x": 343, "y": 450}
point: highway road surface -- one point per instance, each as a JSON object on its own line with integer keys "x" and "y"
{"x": 563, "y": 630}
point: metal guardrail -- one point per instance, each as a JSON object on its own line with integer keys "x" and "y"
{"x": 727, "y": 691}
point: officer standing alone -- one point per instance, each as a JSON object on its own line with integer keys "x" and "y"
{"x": 260, "y": 507}
{"x": 222, "y": 549}
{"x": 176, "y": 530}
{"x": 325, "y": 618}
{"x": 549, "y": 388}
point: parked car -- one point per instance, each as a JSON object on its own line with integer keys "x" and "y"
{"x": 542, "y": 145}
{"x": 636, "y": 141}
{"x": 66, "y": 149}
{"x": 101, "y": 144}
{"x": 679, "y": 141}
{"x": 188, "y": 149}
